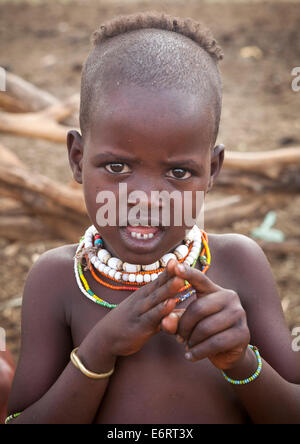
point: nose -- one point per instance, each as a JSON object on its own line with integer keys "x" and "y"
{"x": 142, "y": 190}
{"x": 152, "y": 202}
{"x": 144, "y": 200}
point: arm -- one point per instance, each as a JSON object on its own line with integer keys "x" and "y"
{"x": 270, "y": 399}
{"x": 275, "y": 396}
{"x": 47, "y": 387}
{"x": 259, "y": 296}
{"x": 216, "y": 327}
{"x": 6, "y": 377}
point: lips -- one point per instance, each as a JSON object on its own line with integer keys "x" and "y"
{"x": 142, "y": 239}
{"x": 142, "y": 232}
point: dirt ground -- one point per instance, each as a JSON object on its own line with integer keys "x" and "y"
{"x": 47, "y": 42}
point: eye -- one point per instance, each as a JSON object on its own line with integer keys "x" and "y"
{"x": 179, "y": 173}
{"x": 117, "y": 168}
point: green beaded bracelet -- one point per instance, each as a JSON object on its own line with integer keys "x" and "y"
{"x": 251, "y": 378}
{"x": 14, "y": 415}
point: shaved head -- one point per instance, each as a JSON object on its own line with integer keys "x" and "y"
{"x": 152, "y": 57}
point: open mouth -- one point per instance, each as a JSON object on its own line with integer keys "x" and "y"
{"x": 142, "y": 232}
{"x": 143, "y": 238}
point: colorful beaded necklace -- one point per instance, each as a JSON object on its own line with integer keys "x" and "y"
{"x": 98, "y": 259}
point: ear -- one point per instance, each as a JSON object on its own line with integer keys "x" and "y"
{"x": 217, "y": 159}
{"x": 75, "y": 150}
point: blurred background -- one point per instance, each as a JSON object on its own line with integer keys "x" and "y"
{"x": 46, "y": 42}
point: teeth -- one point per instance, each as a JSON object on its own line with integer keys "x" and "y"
{"x": 141, "y": 236}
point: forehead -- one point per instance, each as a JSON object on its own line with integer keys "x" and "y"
{"x": 164, "y": 118}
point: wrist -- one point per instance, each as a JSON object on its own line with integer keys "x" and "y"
{"x": 96, "y": 354}
{"x": 245, "y": 367}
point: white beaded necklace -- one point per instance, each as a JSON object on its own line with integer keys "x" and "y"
{"x": 114, "y": 268}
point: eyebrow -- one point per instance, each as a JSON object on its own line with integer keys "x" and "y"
{"x": 106, "y": 156}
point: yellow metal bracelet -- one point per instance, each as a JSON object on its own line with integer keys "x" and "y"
{"x": 78, "y": 364}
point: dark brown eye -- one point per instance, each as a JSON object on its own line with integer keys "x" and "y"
{"x": 117, "y": 168}
{"x": 179, "y": 173}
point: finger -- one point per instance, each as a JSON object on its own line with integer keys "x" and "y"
{"x": 219, "y": 343}
{"x": 198, "y": 310}
{"x": 144, "y": 291}
{"x": 196, "y": 278}
{"x": 169, "y": 324}
{"x": 166, "y": 291}
{"x": 210, "y": 326}
{"x": 163, "y": 277}
{"x": 154, "y": 316}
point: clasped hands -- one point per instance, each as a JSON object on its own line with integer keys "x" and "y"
{"x": 213, "y": 326}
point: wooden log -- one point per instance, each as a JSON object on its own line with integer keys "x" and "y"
{"x": 22, "y": 96}
{"x": 32, "y": 97}
{"x": 268, "y": 163}
{"x": 228, "y": 214}
{"x": 25, "y": 228}
{"x": 12, "y": 105}
{"x": 8, "y": 157}
{"x": 235, "y": 181}
{"x": 11, "y": 207}
{"x": 58, "y": 206}
{"x": 41, "y": 125}
{"x": 41, "y": 193}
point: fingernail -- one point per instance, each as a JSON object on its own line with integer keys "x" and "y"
{"x": 188, "y": 356}
{"x": 179, "y": 339}
{"x": 173, "y": 315}
{"x": 166, "y": 302}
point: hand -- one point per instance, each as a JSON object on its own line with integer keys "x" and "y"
{"x": 130, "y": 325}
{"x": 214, "y": 326}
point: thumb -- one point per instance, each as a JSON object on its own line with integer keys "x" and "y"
{"x": 169, "y": 324}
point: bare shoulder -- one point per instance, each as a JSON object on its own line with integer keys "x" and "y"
{"x": 243, "y": 264}
{"x": 50, "y": 277}
{"x": 53, "y": 263}
{"x": 234, "y": 245}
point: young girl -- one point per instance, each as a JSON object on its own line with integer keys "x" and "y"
{"x": 150, "y": 322}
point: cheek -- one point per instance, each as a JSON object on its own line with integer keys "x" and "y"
{"x": 93, "y": 183}
{"x": 101, "y": 199}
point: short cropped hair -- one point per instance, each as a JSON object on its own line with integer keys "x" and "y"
{"x": 154, "y": 50}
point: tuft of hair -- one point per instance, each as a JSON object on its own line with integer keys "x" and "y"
{"x": 188, "y": 27}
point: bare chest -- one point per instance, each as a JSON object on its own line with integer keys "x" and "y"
{"x": 157, "y": 384}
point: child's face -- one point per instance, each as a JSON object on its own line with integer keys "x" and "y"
{"x": 150, "y": 141}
